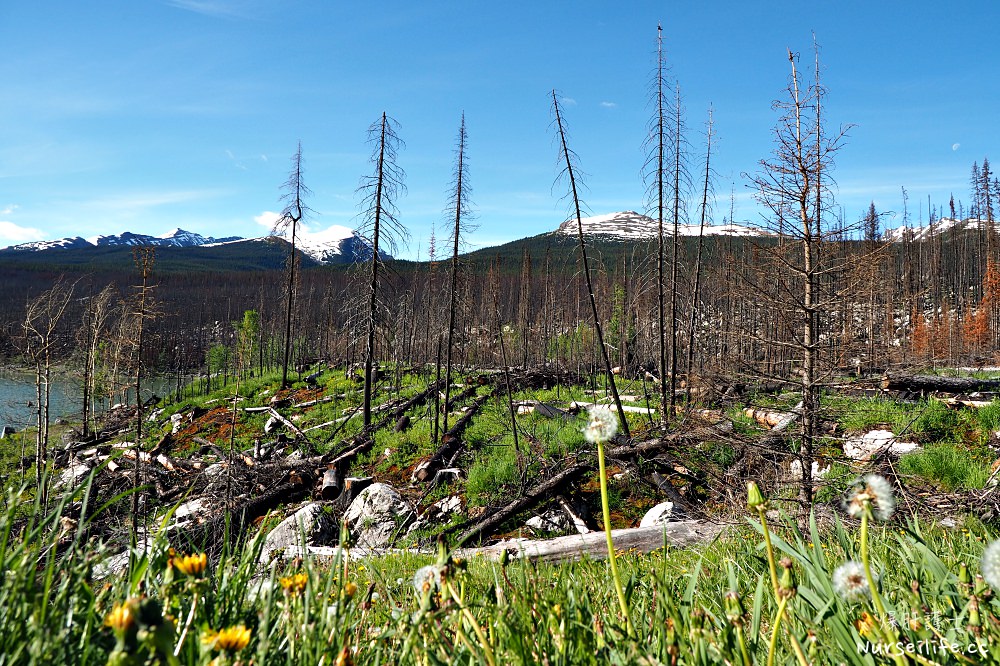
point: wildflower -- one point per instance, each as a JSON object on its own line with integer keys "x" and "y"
{"x": 865, "y": 625}
{"x": 427, "y": 579}
{"x": 189, "y": 565}
{"x": 991, "y": 564}
{"x": 873, "y": 492}
{"x": 294, "y": 584}
{"x": 850, "y": 582}
{"x": 350, "y": 589}
{"x": 121, "y": 617}
{"x": 602, "y": 426}
{"x": 232, "y": 639}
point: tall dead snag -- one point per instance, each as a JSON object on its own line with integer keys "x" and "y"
{"x": 295, "y": 192}
{"x": 380, "y": 228}
{"x": 569, "y": 159}
{"x": 655, "y": 174}
{"x": 665, "y": 177}
{"x": 458, "y": 210}
{"x": 705, "y": 211}
{"x": 41, "y": 319}
{"x": 793, "y": 185}
{"x": 144, "y": 257}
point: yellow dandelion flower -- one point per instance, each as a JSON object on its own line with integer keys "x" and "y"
{"x": 865, "y": 624}
{"x": 350, "y": 589}
{"x": 294, "y": 584}
{"x": 189, "y": 565}
{"x": 121, "y": 617}
{"x": 231, "y": 639}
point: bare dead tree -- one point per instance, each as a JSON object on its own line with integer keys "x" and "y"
{"x": 792, "y": 184}
{"x": 656, "y": 174}
{"x": 380, "y": 227}
{"x": 569, "y": 159}
{"x": 145, "y": 257}
{"x": 96, "y": 316}
{"x": 705, "y": 212}
{"x": 295, "y": 193}
{"x": 42, "y": 317}
{"x": 458, "y": 210}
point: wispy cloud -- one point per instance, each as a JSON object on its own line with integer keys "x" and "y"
{"x": 11, "y": 233}
{"x": 216, "y": 8}
{"x": 568, "y": 101}
{"x": 609, "y": 105}
{"x": 141, "y": 200}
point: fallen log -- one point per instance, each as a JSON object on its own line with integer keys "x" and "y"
{"x": 927, "y": 383}
{"x": 766, "y": 417}
{"x": 679, "y": 534}
{"x": 529, "y": 499}
{"x": 288, "y": 424}
{"x": 451, "y": 442}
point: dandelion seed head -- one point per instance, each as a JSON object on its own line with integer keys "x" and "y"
{"x": 874, "y": 491}
{"x": 850, "y": 582}
{"x": 602, "y": 425}
{"x": 990, "y": 565}
{"x": 427, "y": 579}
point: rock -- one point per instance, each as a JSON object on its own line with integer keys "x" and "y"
{"x": 60, "y": 422}
{"x": 442, "y": 509}
{"x": 377, "y": 514}
{"x": 7, "y": 431}
{"x": 175, "y": 422}
{"x": 874, "y": 441}
{"x": 550, "y": 521}
{"x": 310, "y": 524}
{"x": 551, "y": 412}
{"x": 73, "y": 474}
{"x": 795, "y": 470}
{"x": 658, "y": 515}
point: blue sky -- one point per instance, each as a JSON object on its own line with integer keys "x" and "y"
{"x": 146, "y": 115}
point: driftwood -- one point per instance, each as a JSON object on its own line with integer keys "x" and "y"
{"x": 926, "y": 383}
{"x": 594, "y": 544}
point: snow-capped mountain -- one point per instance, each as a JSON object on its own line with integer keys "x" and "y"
{"x": 175, "y": 238}
{"x": 630, "y": 225}
{"x": 333, "y": 245}
{"x": 924, "y": 232}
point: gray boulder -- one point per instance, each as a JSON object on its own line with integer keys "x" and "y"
{"x": 550, "y": 521}
{"x": 377, "y": 515}
{"x": 310, "y": 524}
{"x": 658, "y": 515}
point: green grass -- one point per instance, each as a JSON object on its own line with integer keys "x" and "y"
{"x": 949, "y": 466}
{"x": 54, "y": 608}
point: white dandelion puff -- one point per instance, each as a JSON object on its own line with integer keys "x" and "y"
{"x": 602, "y": 426}
{"x": 850, "y": 582}
{"x": 875, "y": 492}
{"x": 990, "y": 565}
{"x": 427, "y": 579}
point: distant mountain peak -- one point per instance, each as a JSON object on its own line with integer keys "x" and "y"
{"x": 333, "y": 245}
{"x": 630, "y": 225}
